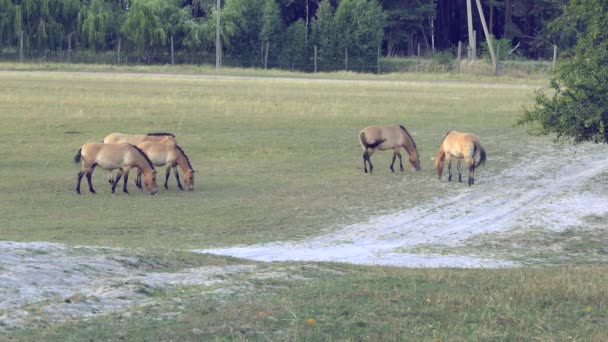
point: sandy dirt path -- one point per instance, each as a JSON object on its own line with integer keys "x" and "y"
{"x": 548, "y": 189}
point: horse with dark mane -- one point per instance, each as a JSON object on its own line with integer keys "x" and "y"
{"x": 461, "y": 146}
{"x": 135, "y": 139}
{"x": 391, "y": 137}
{"x": 109, "y": 157}
{"x": 170, "y": 154}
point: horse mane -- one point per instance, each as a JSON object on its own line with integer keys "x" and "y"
{"x": 161, "y": 134}
{"x": 445, "y": 135}
{"x": 145, "y": 156}
{"x": 408, "y": 135}
{"x": 185, "y": 156}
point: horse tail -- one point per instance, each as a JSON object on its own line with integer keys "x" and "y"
{"x": 365, "y": 144}
{"x": 482, "y": 154}
{"x": 439, "y": 161}
{"x": 78, "y": 156}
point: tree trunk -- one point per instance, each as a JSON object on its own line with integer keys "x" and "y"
{"x": 491, "y": 26}
{"x": 508, "y": 17}
{"x": 471, "y": 35}
{"x": 307, "y": 20}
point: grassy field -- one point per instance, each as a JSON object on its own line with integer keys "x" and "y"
{"x": 279, "y": 159}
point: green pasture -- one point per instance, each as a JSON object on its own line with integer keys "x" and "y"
{"x": 278, "y": 159}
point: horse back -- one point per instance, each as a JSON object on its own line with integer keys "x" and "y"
{"x": 120, "y": 138}
{"x": 160, "y": 152}
{"x": 382, "y": 137}
{"x": 107, "y": 156}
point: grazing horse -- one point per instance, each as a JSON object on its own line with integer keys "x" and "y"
{"x": 114, "y": 156}
{"x": 168, "y": 153}
{"x": 461, "y": 146}
{"x": 134, "y": 139}
{"x": 391, "y": 137}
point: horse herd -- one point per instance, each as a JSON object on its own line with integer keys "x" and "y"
{"x": 453, "y": 145}
{"x": 145, "y": 151}
{"x": 127, "y": 151}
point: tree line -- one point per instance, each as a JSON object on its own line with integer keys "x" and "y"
{"x": 288, "y": 34}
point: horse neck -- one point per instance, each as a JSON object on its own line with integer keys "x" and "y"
{"x": 142, "y": 163}
{"x": 182, "y": 160}
{"x": 409, "y": 145}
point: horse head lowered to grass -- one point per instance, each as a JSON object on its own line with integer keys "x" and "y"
{"x": 135, "y": 139}
{"x": 391, "y": 137}
{"x": 168, "y": 153}
{"x": 109, "y": 157}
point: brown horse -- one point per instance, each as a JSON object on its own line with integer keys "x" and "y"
{"x": 461, "y": 146}
{"x": 134, "y": 139}
{"x": 114, "y": 156}
{"x": 168, "y": 153}
{"x": 391, "y": 137}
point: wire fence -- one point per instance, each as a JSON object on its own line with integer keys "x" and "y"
{"x": 426, "y": 61}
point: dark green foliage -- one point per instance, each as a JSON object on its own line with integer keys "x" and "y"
{"x": 293, "y": 53}
{"x": 359, "y": 27}
{"x": 577, "y": 108}
{"x": 502, "y": 47}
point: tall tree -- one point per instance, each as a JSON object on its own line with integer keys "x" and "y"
{"x": 324, "y": 36}
{"x": 271, "y": 30}
{"x": 578, "y": 107}
{"x": 143, "y": 27}
{"x": 359, "y": 27}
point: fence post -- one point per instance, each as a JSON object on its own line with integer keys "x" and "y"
{"x": 419, "y": 56}
{"x": 554, "y": 56}
{"x": 346, "y": 59}
{"x": 21, "y": 47}
{"x": 497, "y": 59}
{"x": 266, "y": 55}
{"x": 378, "y": 60}
{"x": 118, "y": 52}
{"x": 458, "y": 56}
{"x": 474, "y": 52}
{"x": 315, "y": 59}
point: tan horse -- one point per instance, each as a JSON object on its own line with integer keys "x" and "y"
{"x": 168, "y": 153}
{"x": 134, "y": 139}
{"x": 123, "y": 157}
{"x": 461, "y": 146}
{"x": 392, "y": 137}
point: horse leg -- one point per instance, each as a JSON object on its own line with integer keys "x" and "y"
{"x": 365, "y": 158}
{"x": 459, "y": 172}
{"x": 118, "y": 175}
{"x": 400, "y": 161}
{"x": 89, "y": 174}
{"x": 167, "y": 174}
{"x": 138, "y": 179}
{"x": 109, "y": 175}
{"x": 393, "y": 162}
{"x": 179, "y": 184}
{"x": 449, "y": 158}
{"x": 471, "y": 164}
{"x": 80, "y": 174}
{"x": 124, "y": 185}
